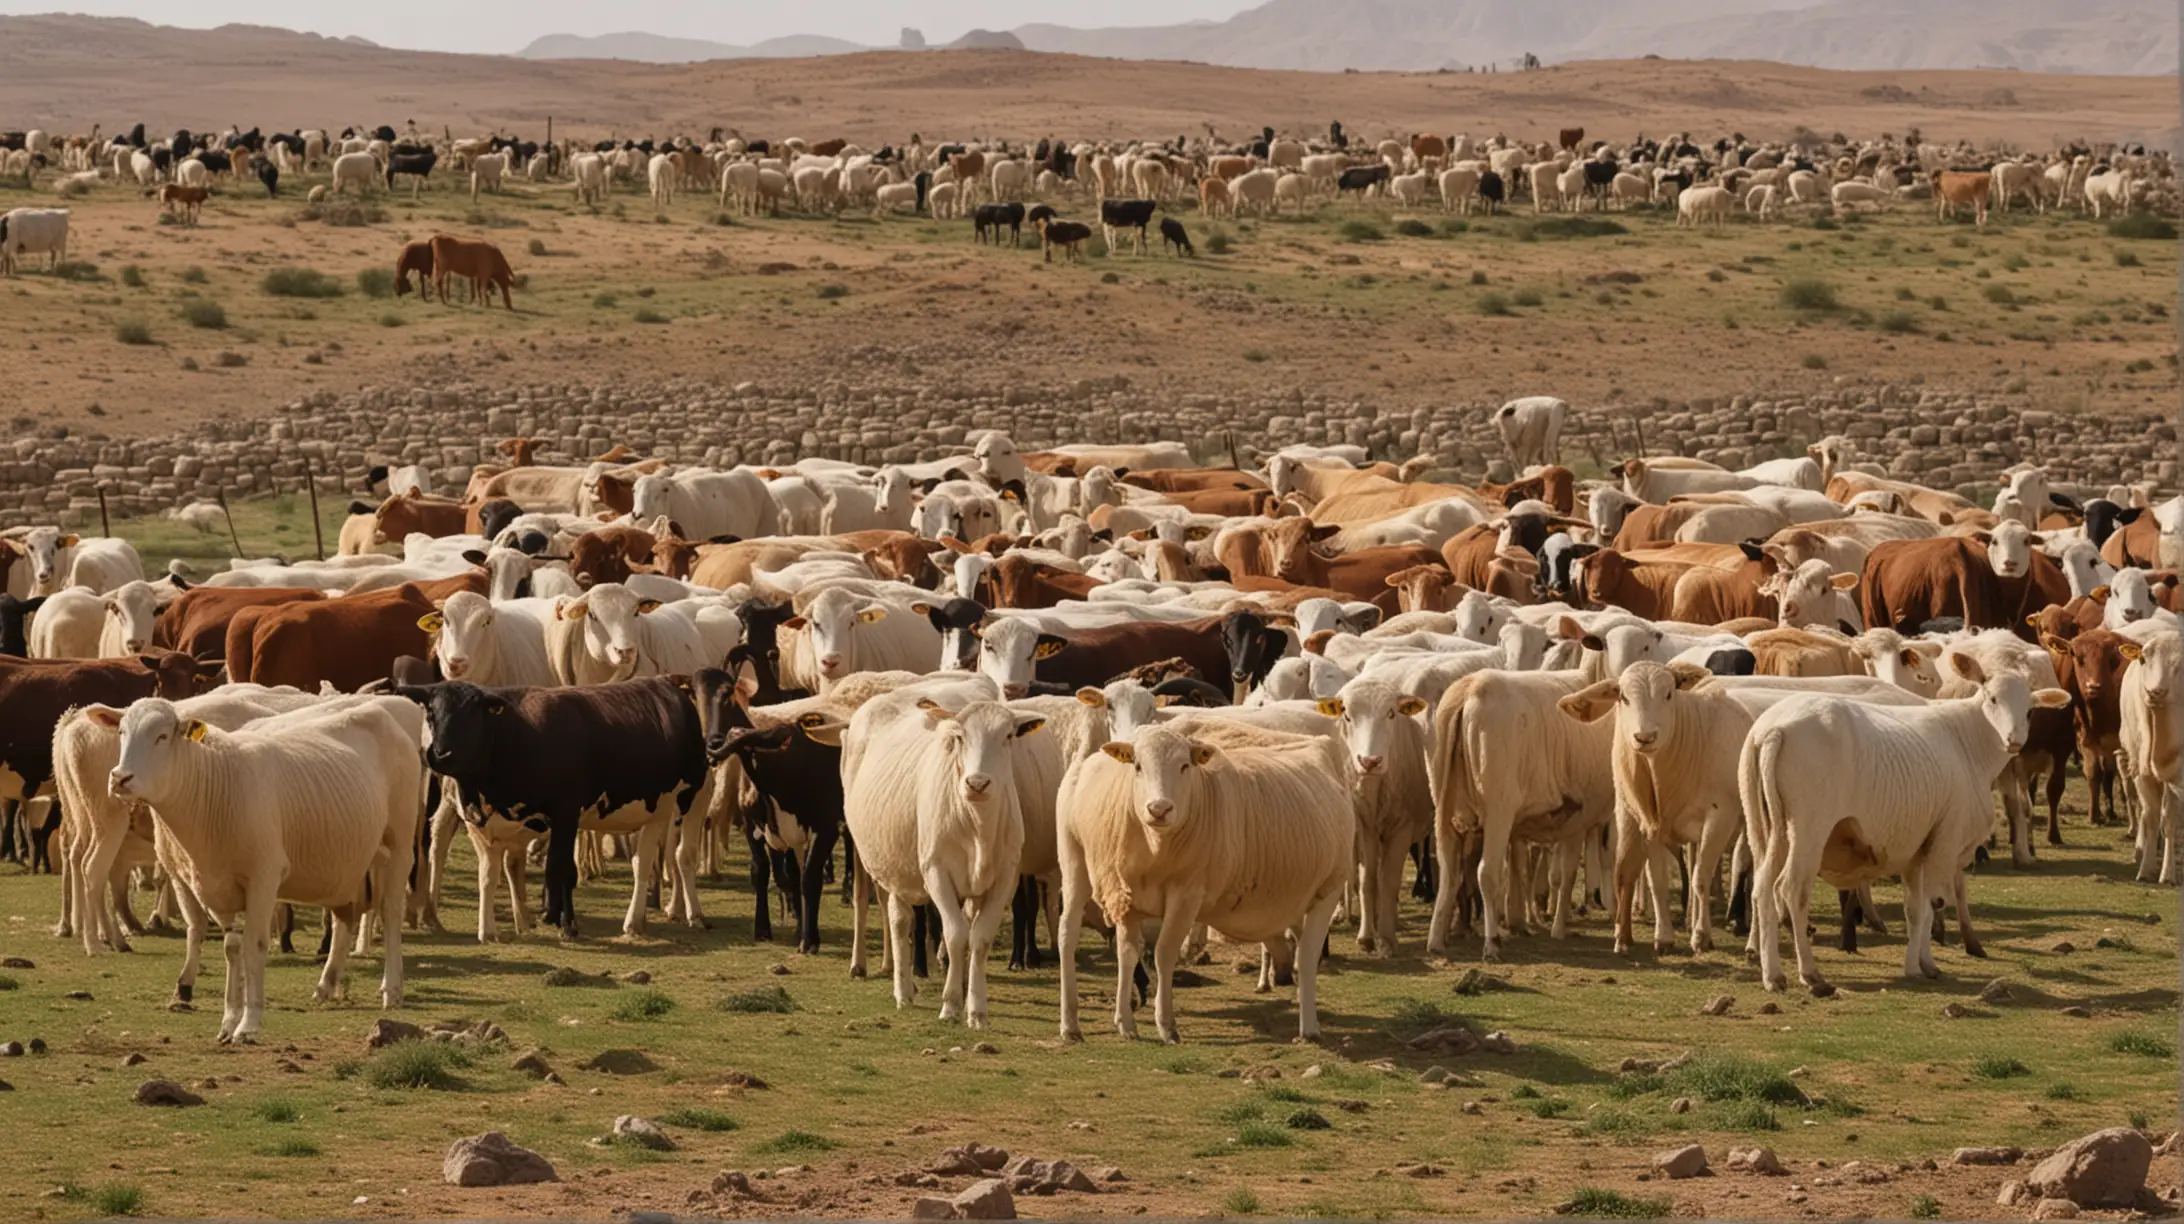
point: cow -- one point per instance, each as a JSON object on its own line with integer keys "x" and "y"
{"x": 1126, "y": 215}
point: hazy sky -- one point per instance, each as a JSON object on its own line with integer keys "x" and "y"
{"x": 499, "y": 26}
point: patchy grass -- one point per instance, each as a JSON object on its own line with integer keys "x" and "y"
{"x": 1998, "y": 1067}
{"x": 1493, "y": 305}
{"x": 375, "y": 282}
{"x": 766, "y": 999}
{"x": 1597, "y": 1204}
{"x": 1810, "y": 295}
{"x": 1924, "y": 1207}
{"x": 1361, "y": 231}
{"x": 300, "y": 283}
{"x": 134, "y": 332}
{"x": 711, "y": 1121}
{"x": 1240, "y": 1202}
{"x": 640, "y": 1005}
{"x": 277, "y": 1109}
{"x": 117, "y": 1199}
{"x": 2143, "y": 226}
{"x": 292, "y": 1146}
{"x": 1262, "y": 1135}
{"x": 204, "y": 313}
{"x": 416, "y": 1064}
{"x": 794, "y": 1143}
{"x": 1412, "y": 227}
{"x": 2145, "y": 1045}
{"x": 829, "y": 293}
{"x": 1553, "y": 229}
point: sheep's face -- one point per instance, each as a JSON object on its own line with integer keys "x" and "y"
{"x": 1130, "y": 707}
{"x": 465, "y": 624}
{"x": 833, "y": 620}
{"x": 1524, "y": 646}
{"x": 1161, "y": 762}
{"x": 997, "y": 457}
{"x": 891, "y": 490}
{"x": 2009, "y": 550}
{"x": 979, "y": 739}
{"x": 152, "y": 731}
{"x": 1479, "y": 619}
{"x": 133, "y": 608}
{"x": 609, "y": 613}
{"x": 2130, "y": 598}
{"x": 2154, "y": 666}
{"x": 1368, "y": 713}
{"x": 44, "y": 547}
{"x": 1626, "y": 646}
{"x": 1810, "y": 594}
{"x": 936, "y": 517}
{"x": 508, "y": 573}
{"x": 1009, "y": 652}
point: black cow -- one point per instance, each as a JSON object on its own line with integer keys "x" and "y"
{"x": 1493, "y": 190}
{"x": 1068, "y": 235}
{"x": 1039, "y": 214}
{"x": 2103, "y": 518}
{"x": 1174, "y": 237}
{"x": 136, "y": 137}
{"x": 250, "y": 140}
{"x": 990, "y": 218}
{"x": 958, "y": 620}
{"x": 1126, "y": 215}
{"x": 15, "y": 617}
{"x": 1254, "y": 647}
{"x": 216, "y": 160}
{"x": 383, "y": 132}
{"x": 162, "y": 159}
{"x": 1335, "y": 136}
{"x": 1599, "y": 178}
{"x": 556, "y": 752}
{"x": 416, "y": 165}
{"x": 1363, "y": 179}
{"x": 270, "y": 175}
{"x": 180, "y": 145}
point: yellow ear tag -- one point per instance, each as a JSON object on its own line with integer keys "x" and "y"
{"x": 431, "y": 622}
{"x": 1331, "y": 707}
{"x": 195, "y": 732}
{"x": 810, "y": 721}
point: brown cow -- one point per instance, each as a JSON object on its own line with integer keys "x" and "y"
{"x": 415, "y": 257}
{"x": 611, "y": 554}
{"x": 1909, "y": 582}
{"x": 1955, "y": 188}
{"x": 196, "y": 623}
{"x": 481, "y": 263}
{"x": 351, "y": 641}
{"x": 1361, "y": 575}
{"x": 1020, "y": 582}
{"x": 1428, "y": 148}
{"x": 827, "y": 148}
{"x": 1571, "y": 137}
{"x": 183, "y": 202}
{"x": 521, "y": 452}
{"x": 2090, "y": 666}
{"x": 1187, "y": 480}
{"x": 437, "y": 517}
{"x": 1646, "y": 589}
{"x": 1557, "y": 486}
{"x": 1230, "y": 503}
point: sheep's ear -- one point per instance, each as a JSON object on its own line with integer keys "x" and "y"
{"x": 2131, "y": 651}
{"x": 572, "y": 610}
{"x": 1844, "y": 582}
{"x": 2051, "y": 699}
{"x": 1120, "y": 751}
{"x": 1411, "y": 706}
{"x": 193, "y": 731}
{"x": 68, "y": 541}
{"x": 1049, "y": 646}
{"x": 2100, "y": 593}
{"x": 1968, "y": 667}
{"x": 1689, "y": 675}
{"x": 647, "y": 605}
{"x": 1202, "y": 754}
{"x": 1029, "y": 726}
{"x": 105, "y": 716}
{"x": 1332, "y": 707}
{"x": 431, "y": 622}
{"x": 1591, "y": 704}
{"x": 1092, "y": 697}
{"x": 871, "y": 615}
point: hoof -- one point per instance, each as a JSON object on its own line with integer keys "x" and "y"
{"x": 1663, "y": 947}
{"x": 1073, "y": 1036}
{"x": 181, "y": 1005}
{"x": 1975, "y": 949}
{"x": 1821, "y": 990}
{"x": 1776, "y": 984}
{"x": 857, "y": 972}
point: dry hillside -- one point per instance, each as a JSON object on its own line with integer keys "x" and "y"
{"x": 66, "y": 73}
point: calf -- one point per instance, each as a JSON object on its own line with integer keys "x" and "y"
{"x": 185, "y": 202}
{"x": 1068, "y": 235}
{"x": 799, "y": 778}
{"x": 989, "y": 219}
{"x": 1174, "y": 237}
{"x": 1126, "y": 215}
{"x": 1363, "y": 179}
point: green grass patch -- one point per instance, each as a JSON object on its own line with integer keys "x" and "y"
{"x": 1620, "y": 1124}
{"x": 1262, "y": 1135}
{"x": 300, "y": 283}
{"x": 117, "y": 1199}
{"x": 1307, "y": 1119}
{"x": 1239, "y": 1202}
{"x": 77, "y": 270}
{"x": 2061, "y": 1091}
{"x": 2000, "y": 295}
{"x": 2143, "y": 226}
{"x": 133, "y": 276}
{"x": 1360, "y": 231}
{"x": 1553, "y": 229}
{"x": 1493, "y": 305}
{"x": 2146, "y": 1045}
{"x": 711, "y": 1121}
{"x": 2124, "y": 259}
{"x": 393, "y": 319}
{"x": 1998, "y": 1066}
{"x": 646, "y": 314}
{"x": 1740, "y": 1117}
{"x": 292, "y": 1146}
{"x": 375, "y": 283}
{"x": 1719, "y": 1076}
{"x": 1594, "y": 1203}
{"x": 1524, "y": 1092}
{"x": 773, "y": 999}
{"x": 1811, "y": 295}
{"x": 1547, "y": 1107}
{"x": 8, "y": 983}
{"x": 829, "y": 293}
{"x": 1925, "y": 1207}
{"x": 1813, "y": 361}
{"x": 642, "y": 1005}
{"x": 1220, "y": 243}
{"x": 192, "y": 275}
{"x": 416, "y": 1064}
{"x": 204, "y": 313}
{"x": 1412, "y": 227}
{"x": 133, "y": 331}
{"x": 1529, "y": 297}
{"x": 1898, "y": 322}
{"x": 794, "y": 1143}
{"x": 1254, "y": 355}
{"x": 276, "y": 1109}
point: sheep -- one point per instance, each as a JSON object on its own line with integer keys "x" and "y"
{"x": 840, "y": 633}
{"x": 610, "y": 633}
{"x": 68, "y": 625}
{"x": 1853, "y": 792}
{"x": 589, "y": 172}
{"x": 660, "y": 176}
{"x": 360, "y": 170}
{"x": 320, "y": 806}
{"x": 33, "y": 231}
{"x": 1380, "y": 726}
{"x": 486, "y": 170}
{"x": 206, "y": 517}
{"x": 2151, "y": 706}
{"x": 1243, "y": 829}
{"x": 497, "y": 643}
{"x": 1696, "y": 206}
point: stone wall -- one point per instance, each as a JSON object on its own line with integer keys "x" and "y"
{"x": 1944, "y": 439}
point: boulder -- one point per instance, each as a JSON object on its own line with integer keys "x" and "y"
{"x": 1028, "y": 1176}
{"x": 492, "y": 1159}
{"x": 2054, "y": 1209}
{"x": 970, "y": 1160}
{"x": 167, "y": 1093}
{"x": 1761, "y": 1160}
{"x": 986, "y": 1200}
{"x": 532, "y": 1063}
{"x": 387, "y": 1032}
{"x": 1681, "y": 1163}
{"x": 2104, "y": 1169}
{"x": 1985, "y": 1156}
{"x": 621, "y": 1062}
{"x": 642, "y": 1132}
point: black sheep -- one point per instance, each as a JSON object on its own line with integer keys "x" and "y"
{"x": 1172, "y": 234}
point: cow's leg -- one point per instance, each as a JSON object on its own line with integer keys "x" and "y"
{"x": 1493, "y": 885}
{"x": 818, "y": 860}
{"x": 1847, "y": 901}
{"x": 561, "y": 871}
{"x": 489, "y": 862}
{"x": 195, "y": 922}
{"x": 761, "y": 872}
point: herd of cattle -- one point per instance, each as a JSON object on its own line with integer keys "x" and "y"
{"x": 993, "y": 181}
{"x": 1106, "y": 684}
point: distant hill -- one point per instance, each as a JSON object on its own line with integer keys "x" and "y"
{"x": 659, "y": 49}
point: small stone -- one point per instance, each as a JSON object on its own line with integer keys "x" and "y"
{"x": 2076, "y": 1012}
{"x": 1109, "y": 1176}
{"x": 17, "y": 962}
{"x": 778, "y": 970}
{"x": 2063, "y": 947}
{"x": 2010, "y": 1193}
{"x": 1471, "y": 1107}
{"x": 1794, "y": 1197}
{"x": 2054, "y": 1209}
{"x": 732, "y": 1182}
{"x": 288, "y": 1066}
{"x": 532, "y": 1063}
{"x": 1434, "y": 1075}
{"x": 969, "y": 1160}
{"x": 1760, "y": 1160}
{"x": 742, "y": 1079}
{"x": 1985, "y": 1156}
{"x": 1681, "y": 1105}
{"x": 80, "y": 996}
{"x": 386, "y": 1032}
{"x": 1683, "y": 1162}
{"x": 1351, "y": 1106}
{"x": 1498, "y": 1042}
{"x": 167, "y": 1093}
{"x": 208, "y": 1083}
{"x": 1448, "y": 1040}
{"x": 620, "y": 1062}
{"x": 986, "y": 1200}
{"x": 642, "y": 1132}
{"x": 1719, "y": 1005}
{"x": 1421, "y": 1170}
{"x": 11, "y": 1049}
{"x": 637, "y": 977}
{"x": 38, "y": 1045}
{"x": 985, "y": 1047}
{"x": 1996, "y": 991}
{"x": 1954, "y": 1011}
{"x": 1770, "y": 1008}
{"x": 134, "y": 1059}
{"x": 491, "y": 1159}
{"x": 1312, "y": 1072}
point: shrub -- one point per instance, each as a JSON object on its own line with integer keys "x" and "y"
{"x": 1900, "y": 322}
{"x": 1219, "y": 243}
{"x": 133, "y": 331}
{"x": 2144, "y": 1044}
{"x": 605, "y": 301}
{"x": 828, "y": 293}
{"x": 1412, "y": 227}
{"x": 133, "y": 276}
{"x": 1904, "y": 294}
{"x": 1548, "y": 1107}
{"x": 1254, "y": 355}
{"x": 1937, "y": 303}
{"x": 415, "y": 1064}
{"x": 773, "y": 999}
{"x": 292, "y": 1146}
{"x": 1262, "y": 1135}
{"x": 392, "y": 319}
{"x": 117, "y": 1199}
{"x": 1528, "y": 297}
{"x": 1743, "y": 1116}
{"x": 1998, "y": 1066}
{"x": 1455, "y": 225}
{"x": 2000, "y": 295}
{"x": 1598, "y": 1204}
{"x": 642, "y": 1005}
{"x": 375, "y": 282}
{"x": 1361, "y": 231}
{"x": 2143, "y": 225}
{"x": 301, "y": 283}
{"x": 1617, "y": 1124}
{"x": 712, "y": 1121}
{"x": 2124, "y": 259}
{"x": 1810, "y": 295}
{"x": 1524, "y": 1092}
{"x": 1713, "y": 1076}
{"x": 1551, "y": 228}
{"x": 199, "y": 312}
{"x": 794, "y": 1142}
{"x": 1491, "y": 304}
{"x": 76, "y": 270}
{"x": 2062, "y": 1091}
{"x": 1478, "y": 276}
{"x": 646, "y": 314}
{"x": 8, "y": 983}
{"x": 1925, "y": 1207}
{"x": 537, "y": 247}
{"x": 1307, "y": 1119}
{"x": 277, "y": 1109}
{"x": 1813, "y": 361}
{"x": 1240, "y": 1201}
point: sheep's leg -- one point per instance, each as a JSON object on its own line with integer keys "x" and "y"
{"x": 690, "y": 836}
{"x": 859, "y": 922}
{"x": 1451, "y": 860}
{"x": 1076, "y": 888}
{"x": 955, "y": 935}
{"x": 1562, "y": 873}
{"x": 514, "y": 865}
{"x": 1714, "y": 839}
{"x": 1312, "y": 936}
{"x": 1129, "y": 950}
{"x": 899, "y": 925}
{"x": 336, "y": 965}
{"x": 1800, "y": 865}
{"x": 1167, "y": 950}
{"x": 1918, "y": 921}
{"x": 72, "y": 855}
{"x": 1493, "y": 885}
{"x": 117, "y": 888}
{"x": 2058, "y": 778}
{"x": 1631, "y": 861}
{"x": 195, "y": 922}
{"x": 984, "y": 927}
{"x": 489, "y": 859}
{"x": 2147, "y": 842}
{"x": 231, "y": 1007}
{"x": 1386, "y": 899}
{"x": 1658, "y": 861}
{"x": 445, "y": 818}
{"x": 2018, "y": 807}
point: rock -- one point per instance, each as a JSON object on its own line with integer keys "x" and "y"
{"x": 2010, "y": 1193}
{"x": 1954, "y": 1011}
{"x": 387, "y": 1032}
{"x": 1760, "y": 1160}
{"x": 2063, "y": 947}
{"x": 166, "y": 1092}
{"x": 1689, "y": 1161}
{"x": 969, "y": 1160}
{"x": 621, "y": 1062}
{"x": 1719, "y": 1005}
{"x": 1433, "y": 1075}
{"x": 1681, "y": 1105}
{"x": 133, "y": 1059}
{"x": 642, "y": 1132}
{"x": 1471, "y": 1107}
{"x": 1770, "y": 1008}
{"x": 929, "y": 1208}
{"x": 986, "y": 1200}
{"x": 2054, "y": 1209}
{"x": 778, "y": 970}
{"x": 17, "y": 962}
{"x": 80, "y": 996}
{"x": 2104, "y": 1169}
{"x": 1985, "y": 1156}
{"x": 1109, "y": 1176}
{"x": 491, "y": 1159}
{"x": 2076, "y": 1012}
{"x": 1498, "y": 1042}
{"x": 1028, "y": 1176}
{"x": 1421, "y": 1170}
{"x": 1312, "y": 1072}
{"x": 742, "y": 1079}
{"x": 1996, "y": 991}
{"x": 733, "y": 1182}
{"x": 11, "y": 1049}
{"x": 985, "y": 1047}
{"x": 565, "y": 976}
{"x": 637, "y": 977}
{"x": 532, "y": 1063}
{"x": 1446, "y": 1040}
